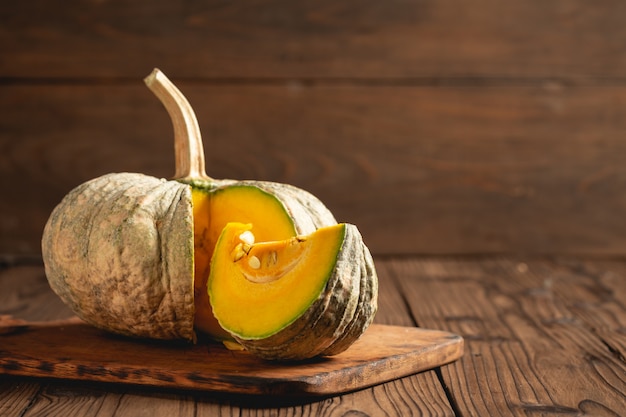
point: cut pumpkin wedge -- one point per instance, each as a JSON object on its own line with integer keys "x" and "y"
{"x": 258, "y": 289}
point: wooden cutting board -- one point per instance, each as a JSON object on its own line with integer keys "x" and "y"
{"x": 77, "y": 351}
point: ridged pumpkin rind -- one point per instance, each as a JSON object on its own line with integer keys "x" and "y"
{"x": 337, "y": 318}
{"x": 367, "y": 305}
{"x": 118, "y": 250}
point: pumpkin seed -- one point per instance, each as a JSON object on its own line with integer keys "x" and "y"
{"x": 254, "y": 262}
{"x": 238, "y": 252}
{"x": 247, "y": 237}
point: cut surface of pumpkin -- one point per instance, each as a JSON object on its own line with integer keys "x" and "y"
{"x": 212, "y": 210}
{"x": 258, "y": 289}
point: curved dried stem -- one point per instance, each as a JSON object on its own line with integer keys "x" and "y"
{"x": 188, "y": 147}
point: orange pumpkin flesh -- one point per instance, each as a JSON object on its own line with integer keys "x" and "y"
{"x": 259, "y": 290}
{"x": 212, "y": 210}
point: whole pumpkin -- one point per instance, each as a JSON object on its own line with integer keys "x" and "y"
{"x": 133, "y": 254}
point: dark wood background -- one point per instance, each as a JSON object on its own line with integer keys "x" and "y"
{"x": 438, "y": 127}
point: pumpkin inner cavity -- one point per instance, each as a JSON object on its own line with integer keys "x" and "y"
{"x": 268, "y": 261}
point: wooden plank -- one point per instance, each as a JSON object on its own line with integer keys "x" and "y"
{"x": 529, "y": 326}
{"x": 324, "y": 39}
{"x": 529, "y": 347}
{"x": 71, "y": 401}
{"x": 430, "y": 170}
{"x": 210, "y": 366}
{"x": 14, "y": 398}
{"x": 405, "y": 396}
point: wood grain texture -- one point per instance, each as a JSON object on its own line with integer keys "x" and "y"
{"x": 494, "y": 127}
{"x": 542, "y": 337}
{"x": 15, "y": 397}
{"x": 526, "y": 169}
{"x": 533, "y": 346}
{"x": 283, "y": 39}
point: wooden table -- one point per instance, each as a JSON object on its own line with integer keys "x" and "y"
{"x": 542, "y": 337}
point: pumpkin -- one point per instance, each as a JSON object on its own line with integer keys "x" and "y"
{"x": 132, "y": 254}
{"x": 296, "y": 298}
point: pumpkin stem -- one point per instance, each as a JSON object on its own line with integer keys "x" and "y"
{"x": 188, "y": 147}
